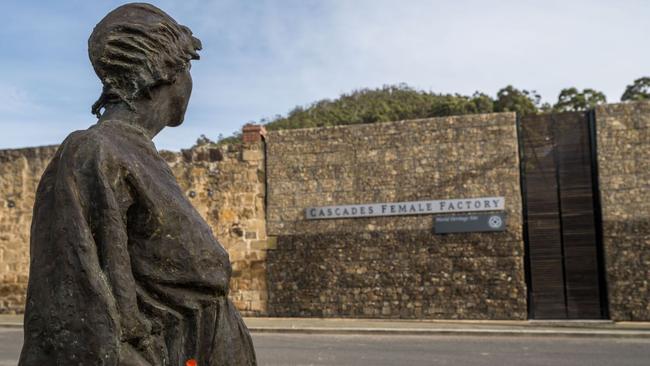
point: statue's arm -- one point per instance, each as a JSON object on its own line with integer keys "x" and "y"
{"x": 111, "y": 199}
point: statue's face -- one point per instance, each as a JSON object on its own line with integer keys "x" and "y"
{"x": 180, "y": 92}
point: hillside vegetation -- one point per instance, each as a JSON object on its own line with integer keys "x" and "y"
{"x": 401, "y": 102}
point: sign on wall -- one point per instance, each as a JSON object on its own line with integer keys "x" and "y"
{"x": 407, "y": 208}
{"x": 470, "y": 223}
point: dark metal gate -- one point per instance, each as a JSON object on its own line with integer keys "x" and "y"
{"x": 562, "y": 218}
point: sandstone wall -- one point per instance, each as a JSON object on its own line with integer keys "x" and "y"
{"x": 394, "y": 266}
{"x": 225, "y": 184}
{"x": 624, "y": 174}
{"x": 20, "y": 171}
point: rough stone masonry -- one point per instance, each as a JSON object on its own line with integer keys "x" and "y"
{"x": 20, "y": 172}
{"x": 624, "y": 178}
{"x": 394, "y": 266}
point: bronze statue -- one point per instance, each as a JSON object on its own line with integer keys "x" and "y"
{"x": 124, "y": 271}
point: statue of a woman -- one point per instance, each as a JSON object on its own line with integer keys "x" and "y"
{"x": 124, "y": 271}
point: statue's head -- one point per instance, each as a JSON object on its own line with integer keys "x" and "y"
{"x": 137, "y": 48}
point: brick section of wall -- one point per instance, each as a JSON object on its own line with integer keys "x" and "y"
{"x": 253, "y": 133}
{"x": 20, "y": 172}
{"x": 225, "y": 184}
{"x": 401, "y": 269}
{"x": 624, "y": 176}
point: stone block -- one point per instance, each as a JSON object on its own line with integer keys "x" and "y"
{"x": 252, "y": 155}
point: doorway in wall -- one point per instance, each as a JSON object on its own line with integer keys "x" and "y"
{"x": 562, "y": 217}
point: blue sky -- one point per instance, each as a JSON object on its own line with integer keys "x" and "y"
{"x": 262, "y": 58}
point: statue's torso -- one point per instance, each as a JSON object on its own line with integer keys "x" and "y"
{"x": 169, "y": 242}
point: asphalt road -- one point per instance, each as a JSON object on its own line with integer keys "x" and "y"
{"x": 357, "y": 350}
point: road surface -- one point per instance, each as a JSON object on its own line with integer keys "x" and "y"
{"x": 274, "y": 349}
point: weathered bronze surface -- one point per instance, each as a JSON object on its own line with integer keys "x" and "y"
{"x": 124, "y": 271}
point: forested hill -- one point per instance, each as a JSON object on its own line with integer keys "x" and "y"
{"x": 401, "y": 102}
{"x": 390, "y": 103}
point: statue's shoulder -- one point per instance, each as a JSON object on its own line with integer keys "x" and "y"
{"x": 90, "y": 144}
{"x": 114, "y": 143}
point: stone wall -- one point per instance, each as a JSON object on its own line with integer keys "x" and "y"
{"x": 394, "y": 266}
{"x": 20, "y": 171}
{"x": 225, "y": 184}
{"x": 624, "y": 176}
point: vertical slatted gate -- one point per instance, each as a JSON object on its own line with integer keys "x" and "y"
{"x": 564, "y": 271}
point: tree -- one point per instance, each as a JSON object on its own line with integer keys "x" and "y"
{"x": 571, "y": 99}
{"x": 483, "y": 103}
{"x": 639, "y": 90}
{"x": 233, "y": 139}
{"x": 203, "y": 140}
{"x": 511, "y": 99}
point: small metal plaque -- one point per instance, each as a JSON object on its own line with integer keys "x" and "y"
{"x": 470, "y": 223}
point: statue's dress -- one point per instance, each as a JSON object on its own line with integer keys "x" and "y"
{"x": 124, "y": 271}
